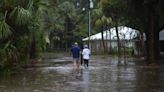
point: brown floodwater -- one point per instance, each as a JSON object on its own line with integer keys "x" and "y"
{"x": 103, "y": 75}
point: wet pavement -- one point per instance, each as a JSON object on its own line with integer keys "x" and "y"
{"x": 103, "y": 75}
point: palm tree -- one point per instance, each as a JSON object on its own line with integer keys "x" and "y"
{"x": 102, "y": 22}
{"x": 19, "y": 19}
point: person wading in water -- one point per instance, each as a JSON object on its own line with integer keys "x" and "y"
{"x": 75, "y": 55}
{"x": 86, "y": 55}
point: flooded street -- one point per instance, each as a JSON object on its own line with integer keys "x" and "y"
{"x": 103, "y": 75}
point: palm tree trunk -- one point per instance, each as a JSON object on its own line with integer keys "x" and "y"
{"x": 106, "y": 41}
{"x": 33, "y": 47}
{"x": 118, "y": 40}
{"x": 142, "y": 44}
{"x": 102, "y": 35}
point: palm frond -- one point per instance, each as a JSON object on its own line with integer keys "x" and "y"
{"x": 13, "y": 12}
{"x": 23, "y": 16}
{"x": 98, "y": 22}
{"x": 30, "y": 4}
{"x": 39, "y": 5}
{"x": 4, "y": 27}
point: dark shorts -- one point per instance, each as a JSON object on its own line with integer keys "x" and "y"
{"x": 86, "y": 61}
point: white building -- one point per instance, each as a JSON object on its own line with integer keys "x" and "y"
{"x": 126, "y": 35}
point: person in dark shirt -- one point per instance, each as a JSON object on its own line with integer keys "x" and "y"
{"x": 75, "y": 54}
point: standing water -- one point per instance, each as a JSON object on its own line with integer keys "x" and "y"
{"x": 103, "y": 75}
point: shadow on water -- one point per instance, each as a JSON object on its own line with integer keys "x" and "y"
{"x": 103, "y": 75}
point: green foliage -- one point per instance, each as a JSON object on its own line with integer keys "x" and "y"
{"x": 4, "y": 27}
{"x": 65, "y": 24}
{"x": 23, "y": 16}
{"x": 21, "y": 26}
{"x": 8, "y": 55}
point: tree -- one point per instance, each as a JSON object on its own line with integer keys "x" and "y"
{"x": 102, "y": 22}
{"x": 143, "y": 15}
{"x": 149, "y": 15}
{"x": 66, "y": 24}
{"x": 113, "y": 9}
{"x": 19, "y": 21}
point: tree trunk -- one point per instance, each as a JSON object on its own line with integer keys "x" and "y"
{"x": 33, "y": 48}
{"x": 153, "y": 51}
{"x": 151, "y": 38}
{"x": 142, "y": 44}
{"x": 110, "y": 44}
{"x": 156, "y": 39}
{"x": 102, "y": 35}
{"x": 118, "y": 40}
{"x": 106, "y": 41}
{"x": 152, "y": 41}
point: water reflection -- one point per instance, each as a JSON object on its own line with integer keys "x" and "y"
{"x": 86, "y": 80}
{"x": 110, "y": 75}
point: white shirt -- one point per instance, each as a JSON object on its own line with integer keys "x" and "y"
{"x": 86, "y": 53}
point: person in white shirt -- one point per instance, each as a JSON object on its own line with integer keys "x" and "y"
{"x": 86, "y": 55}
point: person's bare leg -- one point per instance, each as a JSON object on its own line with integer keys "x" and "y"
{"x": 77, "y": 64}
{"x": 74, "y": 64}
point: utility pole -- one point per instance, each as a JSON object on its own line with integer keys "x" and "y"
{"x": 89, "y": 21}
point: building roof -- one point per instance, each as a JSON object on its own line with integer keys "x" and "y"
{"x": 125, "y": 33}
